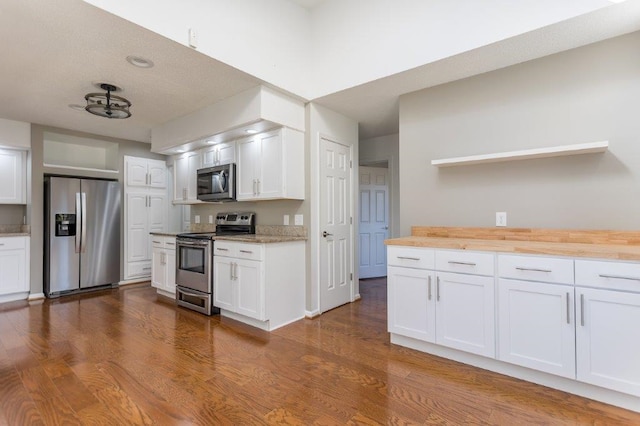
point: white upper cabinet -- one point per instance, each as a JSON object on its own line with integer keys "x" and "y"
{"x": 144, "y": 172}
{"x": 13, "y": 175}
{"x": 271, "y": 166}
{"x": 219, "y": 154}
{"x": 185, "y": 178}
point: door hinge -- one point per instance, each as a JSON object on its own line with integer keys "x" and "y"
{"x": 351, "y": 276}
{"x": 350, "y": 164}
{"x": 351, "y": 220}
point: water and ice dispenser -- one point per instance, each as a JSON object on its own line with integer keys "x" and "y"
{"x": 65, "y": 225}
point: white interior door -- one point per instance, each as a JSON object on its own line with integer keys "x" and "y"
{"x": 374, "y": 221}
{"x": 335, "y": 225}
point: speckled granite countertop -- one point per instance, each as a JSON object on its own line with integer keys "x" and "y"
{"x": 166, "y": 234}
{"x": 15, "y": 230}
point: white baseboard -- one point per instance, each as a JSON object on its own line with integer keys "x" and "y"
{"x": 312, "y": 314}
{"x": 35, "y": 296}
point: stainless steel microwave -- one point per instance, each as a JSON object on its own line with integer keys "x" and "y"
{"x": 217, "y": 183}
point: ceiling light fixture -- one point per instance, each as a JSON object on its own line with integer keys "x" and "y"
{"x": 106, "y": 104}
{"x": 251, "y": 131}
{"x": 139, "y": 61}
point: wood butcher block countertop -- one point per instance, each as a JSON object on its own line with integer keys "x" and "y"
{"x": 620, "y": 245}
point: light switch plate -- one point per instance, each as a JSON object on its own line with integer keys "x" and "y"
{"x": 298, "y": 219}
{"x": 210, "y": 218}
{"x": 285, "y": 219}
{"x": 501, "y": 218}
{"x": 196, "y": 219}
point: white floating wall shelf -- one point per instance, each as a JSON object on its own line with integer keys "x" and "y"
{"x": 552, "y": 151}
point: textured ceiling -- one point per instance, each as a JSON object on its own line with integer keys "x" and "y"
{"x": 52, "y": 52}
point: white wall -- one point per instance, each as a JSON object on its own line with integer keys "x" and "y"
{"x": 583, "y": 95}
{"x": 385, "y": 148}
{"x": 323, "y": 122}
{"x": 340, "y": 43}
{"x": 267, "y": 39}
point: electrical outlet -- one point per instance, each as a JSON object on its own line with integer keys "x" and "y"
{"x": 298, "y": 219}
{"x": 196, "y": 218}
{"x": 285, "y": 219}
{"x": 210, "y": 218}
{"x": 501, "y": 218}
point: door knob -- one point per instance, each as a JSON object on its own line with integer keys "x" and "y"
{"x": 326, "y": 234}
{"x": 385, "y": 227}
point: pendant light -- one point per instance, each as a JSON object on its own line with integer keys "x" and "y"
{"x": 106, "y": 104}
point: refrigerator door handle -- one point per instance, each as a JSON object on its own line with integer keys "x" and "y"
{"x": 83, "y": 224}
{"x": 78, "y": 219}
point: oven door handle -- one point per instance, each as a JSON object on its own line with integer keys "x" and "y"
{"x": 192, "y": 244}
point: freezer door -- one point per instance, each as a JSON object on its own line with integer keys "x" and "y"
{"x": 62, "y": 265}
{"x": 100, "y": 233}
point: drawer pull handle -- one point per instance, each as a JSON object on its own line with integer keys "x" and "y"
{"x": 455, "y": 262}
{"x": 146, "y": 269}
{"x": 246, "y": 251}
{"x": 582, "y": 310}
{"x": 522, "y": 268}
{"x": 222, "y": 249}
{"x": 619, "y": 277}
{"x": 568, "y": 308}
{"x": 157, "y": 242}
{"x": 409, "y": 258}
{"x": 429, "y": 289}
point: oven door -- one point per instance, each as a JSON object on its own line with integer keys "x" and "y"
{"x": 193, "y": 264}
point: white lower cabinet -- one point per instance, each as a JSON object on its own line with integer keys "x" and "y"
{"x": 536, "y": 328}
{"x": 14, "y": 268}
{"x": 607, "y": 325}
{"x": 465, "y": 313}
{"x": 163, "y": 272}
{"x": 259, "y": 284}
{"x": 411, "y": 305}
{"x": 449, "y": 309}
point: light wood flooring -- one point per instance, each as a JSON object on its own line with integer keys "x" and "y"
{"x": 128, "y": 356}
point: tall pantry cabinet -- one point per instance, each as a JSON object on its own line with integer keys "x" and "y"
{"x": 145, "y": 211}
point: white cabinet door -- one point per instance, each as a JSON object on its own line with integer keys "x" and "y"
{"x": 608, "y": 339}
{"x": 136, "y": 170}
{"x": 13, "y": 267}
{"x": 185, "y": 177}
{"x": 226, "y": 153}
{"x": 157, "y": 174}
{"x": 536, "y": 326}
{"x": 13, "y": 176}
{"x": 465, "y": 317}
{"x": 157, "y": 212}
{"x": 223, "y": 283}
{"x": 158, "y": 267}
{"x": 250, "y": 289}
{"x": 170, "y": 264}
{"x": 247, "y": 163}
{"x": 137, "y": 227}
{"x": 269, "y": 169}
{"x": 411, "y": 303}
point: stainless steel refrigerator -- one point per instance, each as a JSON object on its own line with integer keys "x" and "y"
{"x": 82, "y": 234}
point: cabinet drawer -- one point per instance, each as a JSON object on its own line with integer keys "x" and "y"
{"x": 608, "y": 275}
{"x": 13, "y": 243}
{"x": 157, "y": 242}
{"x": 410, "y": 257}
{"x": 139, "y": 269}
{"x": 170, "y": 243}
{"x": 238, "y": 250}
{"x": 465, "y": 262}
{"x": 533, "y": 268}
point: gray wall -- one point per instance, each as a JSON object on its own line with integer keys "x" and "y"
{"x": 385, "y": 148}
{"x": 584, "y": 95}
{"x": 35, "y": 216}
{"x": 12, "y": 214}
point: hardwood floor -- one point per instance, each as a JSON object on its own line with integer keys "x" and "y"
{"x": 128, "y": 356}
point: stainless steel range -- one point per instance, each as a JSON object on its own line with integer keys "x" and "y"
{"x": 194, "y": 260}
